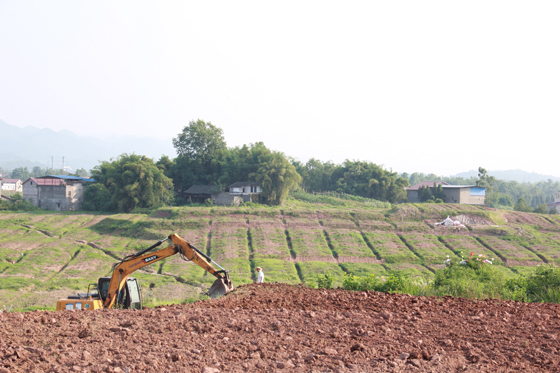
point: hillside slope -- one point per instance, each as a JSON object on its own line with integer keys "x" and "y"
{"x": 45, "y": 256}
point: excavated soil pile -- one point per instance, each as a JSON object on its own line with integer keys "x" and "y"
{"x": 278, "y": 327}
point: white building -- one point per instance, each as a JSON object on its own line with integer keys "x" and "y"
{"x": 248, "y": 190}
{"x": 11, "y": 185}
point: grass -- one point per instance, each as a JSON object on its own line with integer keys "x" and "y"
{"x": 410, "y": 270}
{"x": 310, "y": 270}
{"x": 309, "y": 243}
{"x": 514, "y": 253}
{"x": 390, "y": 248}
{"x": 349, "y": 243}
{"x": 363, "y": 269}
{"x": 40, "y": 255}
{"x": 428, "y": 248}
{"x": 462, "y": 246}
{"x": 270, "y": 242}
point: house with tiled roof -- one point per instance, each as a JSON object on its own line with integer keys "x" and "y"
{"x": 56, "y": 192}
{"x": 463, "y": 194}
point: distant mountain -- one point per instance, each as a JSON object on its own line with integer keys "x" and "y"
{"x": 512, "y": 175}
{"x": 32, "y": 146}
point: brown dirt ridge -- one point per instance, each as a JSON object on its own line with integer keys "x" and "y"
{"x": 287, "y": 328}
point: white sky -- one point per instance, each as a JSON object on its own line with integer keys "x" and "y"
{"x": 425, "y": 86}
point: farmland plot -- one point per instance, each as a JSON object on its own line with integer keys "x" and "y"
{"x": 85, "y": 268}
{"x": 375, "y": 225}
{"x": 390, "y": 247}
{"x": 349, "y": 246}
{"x": 270, "y": 242}
{"x": 229, "y": 247}
{"x": 363, "y": 269}
{"x": 302, "y": 223}
{"x": 428, "y": 248}
{"x": 462, "y": 246}
{"x": 410, "y": 269}
{"x": 310, "y": 270}
{"x": 514, "y": 254}
{"x": 549, "y": 249}
{"x": 338, "y": 224}
{"x": 43, "y": 262}
{"x": 230, "y": 221}
{"x": 310, "y": 245}
{"x": 411, "y": 226}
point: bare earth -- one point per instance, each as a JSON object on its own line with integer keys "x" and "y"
{"x": 285, "y": 328}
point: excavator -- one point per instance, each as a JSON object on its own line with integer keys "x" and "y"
{"x": 122, "y": 291}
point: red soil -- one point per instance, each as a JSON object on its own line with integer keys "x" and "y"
{"x": 278, "y": 327}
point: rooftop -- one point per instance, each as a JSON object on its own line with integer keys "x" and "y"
{"x": 428, "y": 184}
{"x": 243, "y": 183}
{"x": 203, "y": 189}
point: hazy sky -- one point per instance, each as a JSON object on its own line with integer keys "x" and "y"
{"x": 427, "y": 86}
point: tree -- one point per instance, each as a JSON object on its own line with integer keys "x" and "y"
{"x": 37, "y": 171}
{"x": 199, "y": 141}
{"x": 21, "y": 173}
{"x": 97, "y": 198}
{"x": 81, "y": 172}
{"x": 486, "y": 181}
{"x": 553, "y": 211}
{"x": 541, "y": 209}
{"x": 424, "y": 194}
{"x": 522, "y": 206}
{"x": 277, "y": 177}
{"x": 134, "y": 181}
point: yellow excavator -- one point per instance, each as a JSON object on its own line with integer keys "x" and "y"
{"x": 122, "y": 291}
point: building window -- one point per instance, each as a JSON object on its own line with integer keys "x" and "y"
{"x": 69, "y": 194}
{"x": 58, "y": 205}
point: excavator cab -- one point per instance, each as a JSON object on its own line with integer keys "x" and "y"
{"x": 130, "y": 296}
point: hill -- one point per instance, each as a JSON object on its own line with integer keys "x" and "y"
{"x": 31, "y": 146}
{"x": 512, "y": 175}
{"x": 45, "y": 256}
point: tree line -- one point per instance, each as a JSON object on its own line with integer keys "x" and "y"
{"x": 203, "y": 158}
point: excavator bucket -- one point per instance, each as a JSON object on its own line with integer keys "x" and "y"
{"x": 220, "y": 287}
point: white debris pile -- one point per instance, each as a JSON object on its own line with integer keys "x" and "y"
{"x": 451, "y": 223}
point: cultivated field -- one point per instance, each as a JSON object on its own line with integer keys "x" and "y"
{"x": 44, "y": 255}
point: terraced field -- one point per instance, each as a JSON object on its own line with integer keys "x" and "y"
{"x": 44, "y": 256}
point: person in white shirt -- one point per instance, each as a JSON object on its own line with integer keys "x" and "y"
{"x": 260, "y": 277}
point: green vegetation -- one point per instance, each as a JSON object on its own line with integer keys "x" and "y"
{"x": 45, "y": 256}
{"x": 132, "y": 181}
{"x": 349, "y": 243}
{"x": 390, "y": 248}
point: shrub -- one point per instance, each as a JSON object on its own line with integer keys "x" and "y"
{"x": 474, "y": 280}
{"x": 543, "y": 285}
{"x": 325, "y": 281}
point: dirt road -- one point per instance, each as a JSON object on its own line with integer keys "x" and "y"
{"x": 277, "y": 327}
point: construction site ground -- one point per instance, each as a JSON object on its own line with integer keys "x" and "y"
{"x": 289, "y": 328}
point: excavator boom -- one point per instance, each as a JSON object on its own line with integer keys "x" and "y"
{"x": 134, "y": 262}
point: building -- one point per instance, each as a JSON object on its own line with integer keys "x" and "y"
{"x": 201, "y": 193}
{"x": 11, "y": 185}
{"x": 56, "y": 192}
{"x": 248, "y": 190}
{"x": 234, "y": 194}
{"x": 463, "y": 194}
{"x": 556, "y": 202}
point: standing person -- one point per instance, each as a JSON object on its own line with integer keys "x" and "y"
{"x": 260, "y": 277}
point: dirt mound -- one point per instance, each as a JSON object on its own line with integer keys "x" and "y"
{"x": 278, "y": 327}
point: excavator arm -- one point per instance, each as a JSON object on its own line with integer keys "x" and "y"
{"x": 146, "y": 257}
